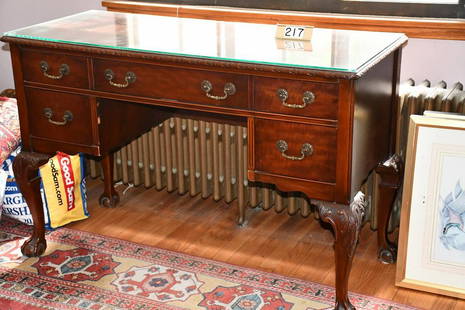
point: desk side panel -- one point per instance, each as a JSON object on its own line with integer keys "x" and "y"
{"x": 373, "y": 113}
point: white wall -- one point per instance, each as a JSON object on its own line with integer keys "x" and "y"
{"x": 422, "y": 59}
{"x": 434, "y": 60}
{"x": 19, "y": 13}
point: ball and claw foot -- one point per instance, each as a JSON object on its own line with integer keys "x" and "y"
{"x": 387, "y": 256}
{"x": 108, "y": 202}
{"x": 34, "y": 247}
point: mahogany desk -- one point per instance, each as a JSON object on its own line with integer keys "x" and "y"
{"x": 318, "y": 120}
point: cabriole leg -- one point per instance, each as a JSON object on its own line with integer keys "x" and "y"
{"x": 346, "y": 222}
{"x": 390, "y": 179}
{"x": 26, "y": 167}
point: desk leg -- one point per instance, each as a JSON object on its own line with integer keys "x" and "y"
{"x": 390, "y": 179}
{"x": 26, "y": 168}
{"x": 346, "y": 222}
{"x": 110, "y": 197}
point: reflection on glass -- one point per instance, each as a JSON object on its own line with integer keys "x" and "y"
{"x": 242, "y": 42}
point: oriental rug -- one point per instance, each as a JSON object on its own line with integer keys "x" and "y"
{"x": 81, "y": 270}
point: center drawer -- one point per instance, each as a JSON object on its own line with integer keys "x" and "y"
{"x": 297, "y": 150}
{"x": 193, "y": 86}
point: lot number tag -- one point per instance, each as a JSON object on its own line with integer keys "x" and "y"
{"x": 290, "y": 32}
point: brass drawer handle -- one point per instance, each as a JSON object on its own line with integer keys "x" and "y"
{"x": 307, "y": 98}
{"x": 229, "y": 90}
{"x": 67, "y": 117}
{"x": 63, "y": 70}
{"x": 306, "y": 150}
{"x": 129, "y": 78}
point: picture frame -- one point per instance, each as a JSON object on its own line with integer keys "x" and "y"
{"x": 431, "y": 252}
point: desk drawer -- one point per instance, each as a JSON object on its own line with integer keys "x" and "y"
{"x": 312, "y": 99}
{"x": 55, "y": 69}
{"x": 296, "y": 150}
{"x": 171, "y": 83}
{"x": 59, "y": 116}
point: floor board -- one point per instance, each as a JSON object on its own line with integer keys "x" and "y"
{"x": 291, "y": 246}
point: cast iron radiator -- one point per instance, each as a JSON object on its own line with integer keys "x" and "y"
{"x": 415, "y": 99}
{"x": 210, "y": 159}
{"x": 197, "y": 157}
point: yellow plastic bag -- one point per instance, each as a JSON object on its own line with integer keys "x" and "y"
{"x": 63, "y": 179}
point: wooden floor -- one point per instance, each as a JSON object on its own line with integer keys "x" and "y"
{"x": 290, "y": 246}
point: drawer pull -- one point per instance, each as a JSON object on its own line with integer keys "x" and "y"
{"x": 67, "y": 117}
{"x": 307, "y": 98}
{"x": 229, "y": 90}
{"x": 306, "y": 150}
{"x": 128, "y": 79}
{"x": 63, "y": 70}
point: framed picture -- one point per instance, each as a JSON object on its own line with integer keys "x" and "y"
{"x": 432, "y": 230}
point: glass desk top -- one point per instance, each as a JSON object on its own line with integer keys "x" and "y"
{"x": 336, "y": 50}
